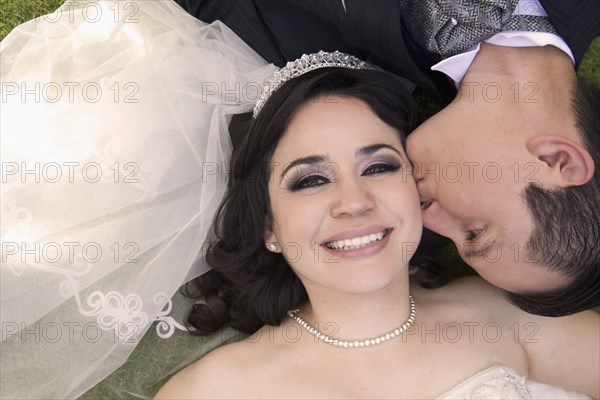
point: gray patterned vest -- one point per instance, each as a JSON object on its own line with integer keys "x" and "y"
{"x": 450, "y": 27}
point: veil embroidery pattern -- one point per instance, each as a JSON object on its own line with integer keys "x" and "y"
{"x": 115, "y": 151}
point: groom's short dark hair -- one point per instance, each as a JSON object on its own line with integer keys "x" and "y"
{"x": 566, "y": 236}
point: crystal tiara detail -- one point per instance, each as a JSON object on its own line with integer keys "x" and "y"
{"x": 304, "y": 64}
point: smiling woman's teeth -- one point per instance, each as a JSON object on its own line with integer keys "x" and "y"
{"x": 355, "y": 243}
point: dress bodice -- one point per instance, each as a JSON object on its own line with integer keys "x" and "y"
{"x": 501, "y": 382}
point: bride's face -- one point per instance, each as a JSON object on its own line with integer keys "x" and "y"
{"x": 344, "y": 207}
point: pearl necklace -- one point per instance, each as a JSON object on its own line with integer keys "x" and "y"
{"x": 357, "y": 343}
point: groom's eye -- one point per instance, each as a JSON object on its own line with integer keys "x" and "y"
{"x": 472, "y": 235}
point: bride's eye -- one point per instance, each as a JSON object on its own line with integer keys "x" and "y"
{"x": 310, "y": 181}
{"x": 380, "y": 168}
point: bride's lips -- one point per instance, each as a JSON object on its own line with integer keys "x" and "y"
{"x": 359, "y": 242}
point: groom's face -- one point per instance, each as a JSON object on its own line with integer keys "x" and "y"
{"x": 471, "y": 180}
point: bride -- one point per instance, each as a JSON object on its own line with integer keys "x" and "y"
{"x": 313, "y": 242}
{"x": 115, "y": 154}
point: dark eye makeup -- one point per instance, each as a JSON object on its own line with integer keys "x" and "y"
{"x": 380, "y": 168}
{"x": 315, "y": 180}
{"x": 309, "y": 181}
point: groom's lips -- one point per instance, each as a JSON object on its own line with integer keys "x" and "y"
{"x": 423, "y": 198}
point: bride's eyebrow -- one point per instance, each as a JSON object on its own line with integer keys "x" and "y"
{"x": 368, "y": 150}
{"x": 304, "y": 160}
{"x": 363, "y": 151}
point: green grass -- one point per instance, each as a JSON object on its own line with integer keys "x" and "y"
{"x": 590, "y": 65}
{"x": 15, "y": 12}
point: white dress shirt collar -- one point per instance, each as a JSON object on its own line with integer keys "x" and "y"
{"x": 456, "y": 66}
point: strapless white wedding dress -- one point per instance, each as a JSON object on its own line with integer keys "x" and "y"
{"x": 503, "y": 383}
{"x": 114, "y": 150}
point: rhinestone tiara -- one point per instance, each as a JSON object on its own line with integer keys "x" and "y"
{"x": 304, "y": 64}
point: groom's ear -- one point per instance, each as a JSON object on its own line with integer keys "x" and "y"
{"x": 569, "y": 163}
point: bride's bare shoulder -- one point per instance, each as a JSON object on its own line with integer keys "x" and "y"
{"x": 218, "y": 375}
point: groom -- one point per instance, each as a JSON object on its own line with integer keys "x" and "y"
{"x": 508, "y": 170}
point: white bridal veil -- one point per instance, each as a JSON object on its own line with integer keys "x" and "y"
{"x": 114, "y": 150}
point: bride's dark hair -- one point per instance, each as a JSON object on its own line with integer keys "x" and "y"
{"x": 248, "y": 285}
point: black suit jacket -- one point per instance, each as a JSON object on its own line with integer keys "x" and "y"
{"x": 282, "y": 30}
{"x": 577, "y": 22}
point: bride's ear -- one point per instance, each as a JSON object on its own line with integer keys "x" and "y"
{"x": 569, "y": 162}
{"x": 269, "y": 236}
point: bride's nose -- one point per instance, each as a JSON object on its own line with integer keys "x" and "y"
{"x": 352, "y": 197}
